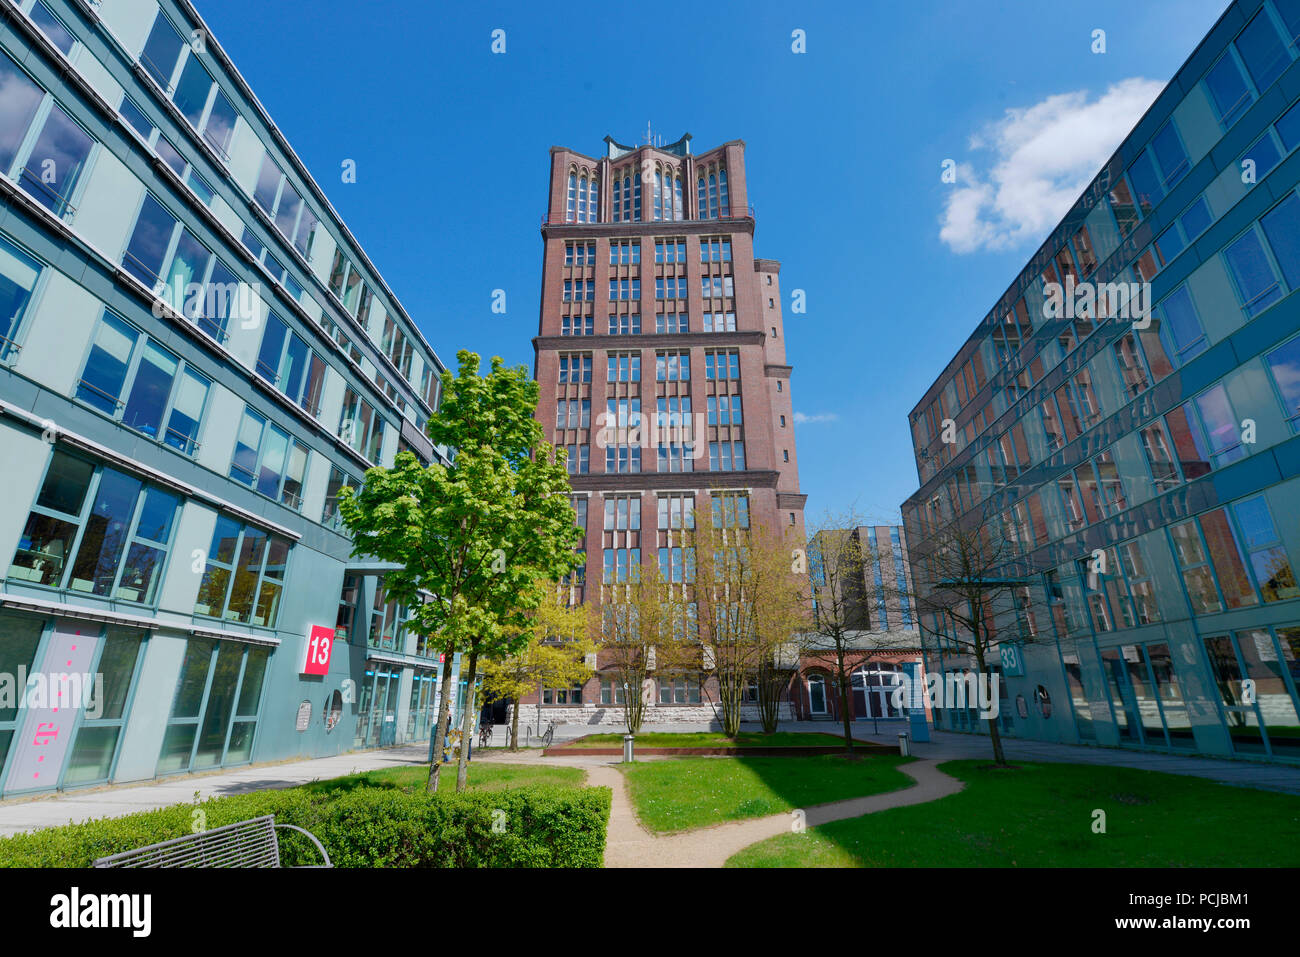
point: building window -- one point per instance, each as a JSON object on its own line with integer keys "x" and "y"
{"x": 611, "y": 692}
{"x": 625, "y": 325}
{"x": 131, "y": 378}
{"x": 269, "y": 460}
{"x": 562, "y": 696}
{"x": 679, "y": 690}
{"x": 672, "y": 366}
{"x": 96, "y": 530}
{"x": 621, "y": 565}
{"x": 575, "y": 368}
{"x": 622, "y": 459}
{"x": 727, "y": 456}
{"x": 577, "y": 326}
{"x": 215, "y": 708}
{"x": 722, "y": 365}
{"x": 578, "y": 459}
{"x": 243, "y": 578}
{"x": 623, "y": 367}
{"x": 361, "y": 426}
{"x": 671, "y": 323}
{"x": 338, "y": 479}
{"x": 18, "y": 275}
{"x": 287, "y": 362}
{"x": 725, "y": 410}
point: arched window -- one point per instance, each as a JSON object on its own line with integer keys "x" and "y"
{"x": 713, "y": 196}
{"x": 636, "y": 197}
{"x": 677, "y": 197}
{"x": 593, "y": 198}
{"x": 724, "y": 202}
{"x": 573, "y": 182}
{"x": 702, "y": 204}
{"x": 582, "y": 199}
{"x": 659, "y": 193}
{"x": 618, "y": 198}
{"x": 627, "y": 195}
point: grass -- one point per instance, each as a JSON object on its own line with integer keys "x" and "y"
{"x": 483, "y": 776}
{"x": 1041, "y": 815}
{"x": 681, "y": 794}
{"x": 714, "y": 739}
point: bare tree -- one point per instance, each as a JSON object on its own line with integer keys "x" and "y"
{"x": 748, "y": 601}
{"x": 836, "y": 590}
{"x": 974, "y": 593}
{"x": 642, "y": 629}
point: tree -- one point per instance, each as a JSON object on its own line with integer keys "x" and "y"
{"x": 840, "y": 631}
{"x": 472, "y": 541}
{"x": 971, "y": 595}
{"x": 749, "y": 605}
{"x": 555, "y": 654}
{"x": 643, "y": 628}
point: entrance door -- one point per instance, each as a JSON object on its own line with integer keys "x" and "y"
{"x": 816, "y": 695}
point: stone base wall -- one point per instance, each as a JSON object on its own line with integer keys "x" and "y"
{"x": 610, "y": 715}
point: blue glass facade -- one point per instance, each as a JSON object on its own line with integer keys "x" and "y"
{"x": 195, "y": 355}
{"x": 1127, "y": 415}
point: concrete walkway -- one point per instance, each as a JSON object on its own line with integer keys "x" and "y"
{"x": 71, "y": 807}
{"x": 629, "y": 844}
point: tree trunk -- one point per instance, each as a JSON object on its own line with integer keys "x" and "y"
{"x": 440, "y": 732}
{"x": 514, "y": 725}
{"x": 844, "y": 701}
{"x": 999, "y": 758}
{"x": 467, "y": 725}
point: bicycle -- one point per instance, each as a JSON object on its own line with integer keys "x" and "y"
{"x": 484, "y": 735}
{"x": 549, "y": 736}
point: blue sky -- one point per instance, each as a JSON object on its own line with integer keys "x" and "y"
{"x": 844, "y": 147}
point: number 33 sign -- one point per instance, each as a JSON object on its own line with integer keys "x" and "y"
{"x": 320, "y": 644}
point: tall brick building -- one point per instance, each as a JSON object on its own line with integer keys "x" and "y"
{"x": 661, "y": 360}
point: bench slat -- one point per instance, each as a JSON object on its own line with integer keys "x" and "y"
{"x": 251, "y": 843}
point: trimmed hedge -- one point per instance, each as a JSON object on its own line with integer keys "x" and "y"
{"x": 365, "y": 827}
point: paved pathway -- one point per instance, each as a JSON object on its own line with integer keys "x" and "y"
{"x": 629, "y": 844}
{"x": 69, "y": 807}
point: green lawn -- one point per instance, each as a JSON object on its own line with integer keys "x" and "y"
{"x": 714, "y": 739}
{"x": 483, "y": 776}
{"x": 679, "y": 794}
{"x": 1041, "y": 815}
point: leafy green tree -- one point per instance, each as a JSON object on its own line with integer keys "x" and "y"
{"x": 474, "y": 540}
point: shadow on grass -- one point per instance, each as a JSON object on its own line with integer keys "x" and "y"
{"x": 686, "y": 793}
{"x": 1057, "y": 815}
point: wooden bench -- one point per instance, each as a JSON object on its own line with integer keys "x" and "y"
{"x": 251, "y": 843}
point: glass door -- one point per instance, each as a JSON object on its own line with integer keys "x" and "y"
{"x": 215, "y": 707}
{"x": 816, "y": 695}
{"x": 1257, "y": 690}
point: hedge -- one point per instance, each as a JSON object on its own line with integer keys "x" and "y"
{"x": 542, "y": 826}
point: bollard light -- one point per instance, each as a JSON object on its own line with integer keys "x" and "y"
{"x": 904, "y": 748}
{"x": 627, "y": 748}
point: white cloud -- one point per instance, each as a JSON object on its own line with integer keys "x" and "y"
{"x": 1039, "y": 159}
{"x": 801, "y": 419}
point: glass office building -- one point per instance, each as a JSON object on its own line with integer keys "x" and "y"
{"x": 1145, "y": 461}
{"x": 195, "y": 356}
